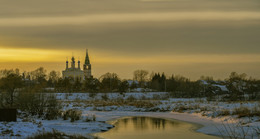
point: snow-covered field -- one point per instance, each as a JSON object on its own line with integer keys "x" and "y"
{"x": 155, "y": 104}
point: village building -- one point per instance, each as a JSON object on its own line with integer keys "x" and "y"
{"x": 76, "y": 72}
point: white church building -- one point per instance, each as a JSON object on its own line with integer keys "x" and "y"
{"x": 75, "y": 72}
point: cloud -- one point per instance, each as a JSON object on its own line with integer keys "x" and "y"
{"x": 188, "y": 37}
{"x": 130, "y": 17}
{"x": 212, "y": 37}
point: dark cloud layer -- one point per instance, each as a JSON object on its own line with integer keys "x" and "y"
{"x": 139, "y": 28}
{"x": 196, "y": 37}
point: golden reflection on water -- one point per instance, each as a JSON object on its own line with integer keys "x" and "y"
{"x": 152, "y": 128}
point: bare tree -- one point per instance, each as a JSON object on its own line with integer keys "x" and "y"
{"x": 110, "y": 82}
{"x": 54, "y": 75}
{"x": 39, "y": 74}
{"x": 141, "y": 76}
{"x": 53, "y": 78}
{"x": 8, "y": 86}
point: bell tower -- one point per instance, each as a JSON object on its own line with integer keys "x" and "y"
{"x": 87, "y": 66}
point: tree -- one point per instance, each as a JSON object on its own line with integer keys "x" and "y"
{"x": 91, "y": 85}
{"x": 133, "y": 85}
{"x": 39, "y": 75}
{"x": 158, "y": 82}
{"x": 53, "y": 78}
{"x": 109, "y": 82}
{"x": 77, "y": 85}
{"x": 6, "y": 72}
{"x": 171, "y": 84}
{"x": 9, "y": 85}
{"x": 236, "y": 86}
{"x": 123, "y": 87}
{"x": 207, "y": 78}
{"x": 66, "y": 84}
{"x": 252, "y": 88}
{"x": 141, "y": 77}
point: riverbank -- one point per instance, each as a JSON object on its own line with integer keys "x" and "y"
{"x": 216, "y": 118}
{"x": 147, "y": 127}
{"x": 209, "y": 127}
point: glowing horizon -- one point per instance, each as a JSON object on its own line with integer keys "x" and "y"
{"x": 190, "y": 38}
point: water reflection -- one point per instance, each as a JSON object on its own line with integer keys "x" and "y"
{"x": 152, "y": 128}
{"x": 144, "y": 123}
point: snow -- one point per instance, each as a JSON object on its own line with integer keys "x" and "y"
{"x": 204, "y": 82}
{"x": 197, "y": 111}
{"x": 98, "y": 96}
{"x": 222, "y": 87}
{"x": 130, "y": 82}
{"x": 25, "y": 129}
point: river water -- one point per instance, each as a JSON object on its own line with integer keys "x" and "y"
{"x": 152, "y": 128}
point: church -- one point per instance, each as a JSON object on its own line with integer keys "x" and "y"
{"x": 76, "y": 72}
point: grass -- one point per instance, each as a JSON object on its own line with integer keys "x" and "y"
{"x": 55, "y": 135}
{"x": 90, "y": 118}
{"x": 224, "y": 112}
{"x": 7, "y": 132}
{"x": 237, "y": 131}
{"x": 73, "y": 114}
{"x": 246, "y": 112}
{"x": 117, "y": 102}
{"x": 209, "y": 108}
{"x": 186, "y": 107}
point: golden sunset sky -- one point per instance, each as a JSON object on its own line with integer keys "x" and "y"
{"x": 186, "y": 37}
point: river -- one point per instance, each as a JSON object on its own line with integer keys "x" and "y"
{"x": 152, "y": 128}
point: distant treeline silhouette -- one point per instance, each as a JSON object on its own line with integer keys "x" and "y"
{"x": 235, "y": 87}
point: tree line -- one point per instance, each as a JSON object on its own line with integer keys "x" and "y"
{"x": 239, "y": 86}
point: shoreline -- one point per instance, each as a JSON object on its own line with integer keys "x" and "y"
{"x": 202, "y": 125}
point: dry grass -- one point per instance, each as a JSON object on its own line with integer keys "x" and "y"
{"x": 55, "y": 135}
{"x": 116, "y": 102}
{"x": 73, "y": 114}
{"x": 183, "y": 108}
{"x": 236, "y": 131}
{"x": 246, "y": 112}
{"x": 224, "y": 112}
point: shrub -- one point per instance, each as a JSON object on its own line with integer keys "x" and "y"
{"x": 257, "y": 130}
{"x": 33, "y": 103}
{"x": 224, "y": 112}
{"x": 242, "y": 112}
{"x": 236, "y": 130}
{"x": 156, "y": 97}
{"x": 39, "y": 104}
{"x": 143, "y": 97}
{"x": 73, "y": 114}
{"x": 92, "y": 95}
{"x": 131, "y": 98}
{"x": 53, "y": 108}
{"x": 104, "y": 97}
{"x": 94, "y": 117}
{"x": 180, "y": 108}
{"x": 7, "y": 132}
{"x": 90, "y": 118}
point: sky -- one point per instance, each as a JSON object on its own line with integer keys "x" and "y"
{"x": 180, "y": 37}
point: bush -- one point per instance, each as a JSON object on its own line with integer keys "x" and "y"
{"x": 131, "y": 98}
{"x": 33, "y": 103}
{"x": 73, "y": 114}
{"x": 245, "y": 112}
{"x": 104, "y": 97}
{"x": 156, "y": 97}
{"x": 224, "y": 112}
{"x": 39, "y": 104}
{"x": 90, "y": 118}
{"x": 53, "y": 108}
{"x": 92, "y": 95}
